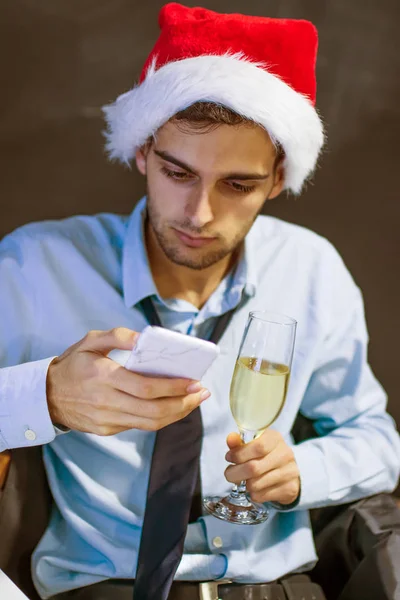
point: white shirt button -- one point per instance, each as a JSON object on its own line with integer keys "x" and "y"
{"x": 217, "y": 542}
{"x": 30, "y": 435}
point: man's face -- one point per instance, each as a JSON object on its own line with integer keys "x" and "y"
{"x": 206, "y": 189}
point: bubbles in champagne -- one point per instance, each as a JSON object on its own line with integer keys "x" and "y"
{"x": 258, "y": 392}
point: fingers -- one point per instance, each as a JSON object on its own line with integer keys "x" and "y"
{"x": 85, "y": 387}
{"x": 273, "y": 479}
{"x": 112, "y": 413}
{"x": 164, "y": 410}
{"x": 284, "y": 494}
{"x": 104, "y": 341}
{"x": 255, "y": 449}
{"x": 117, "y": 422}
{"x": 255, "y": 467}
{"x": 234, "y": 440}
{"x": 124, "y": 380}
{"x": 279, "y": 485}
{"x": 149, "y": 388}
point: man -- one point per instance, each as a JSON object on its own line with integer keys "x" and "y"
{"x": 222, "y": 119}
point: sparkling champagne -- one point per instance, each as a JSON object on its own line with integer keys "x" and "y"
{"x": 258, "y": 392}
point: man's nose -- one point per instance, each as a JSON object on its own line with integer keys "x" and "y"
{"x": 198, "y": 209}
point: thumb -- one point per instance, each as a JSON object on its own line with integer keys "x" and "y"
{"x": 233, "y": 440}
{"x": 101, "y": 342}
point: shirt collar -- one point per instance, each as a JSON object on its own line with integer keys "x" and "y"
{"x": 246, "y": 270}
{"x": 138, "y": 281}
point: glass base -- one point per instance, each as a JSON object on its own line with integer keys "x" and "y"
{"x": 236, "y": 510}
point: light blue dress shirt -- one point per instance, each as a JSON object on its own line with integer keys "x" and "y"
{"x": 60, "y": 279}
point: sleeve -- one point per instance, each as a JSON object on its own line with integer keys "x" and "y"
{"x": 357, "y": 453}
{"x": 24, "y": 415}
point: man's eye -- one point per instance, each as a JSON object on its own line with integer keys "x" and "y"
{"x": 242, "y": 188}
{"x": 174, "y": 174}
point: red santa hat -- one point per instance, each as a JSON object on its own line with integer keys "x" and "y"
{"x": 261, "y": 68}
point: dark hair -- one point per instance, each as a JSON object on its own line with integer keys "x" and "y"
{"x": 206, "y": 116}
{"x": 209, "y": 115}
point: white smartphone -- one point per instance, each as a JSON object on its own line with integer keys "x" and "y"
{"x": 161, "y": 352}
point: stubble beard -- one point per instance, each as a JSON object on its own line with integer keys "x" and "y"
{"x": 177, "y": 255}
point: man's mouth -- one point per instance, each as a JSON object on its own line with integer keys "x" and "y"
{"x": 193, "y": 241}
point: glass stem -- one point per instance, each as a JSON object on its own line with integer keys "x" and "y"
{"x": 239, "y": 491}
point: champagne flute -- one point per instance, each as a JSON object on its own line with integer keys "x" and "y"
{"x": 257, "y": 395}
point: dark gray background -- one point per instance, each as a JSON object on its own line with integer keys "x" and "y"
{"x": 61, "y": 61}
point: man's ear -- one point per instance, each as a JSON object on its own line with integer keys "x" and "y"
{"x": 140, "y": 157}
{"x": 279, "y": 180}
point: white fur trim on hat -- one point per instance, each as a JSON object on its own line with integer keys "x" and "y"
{"x": 232, "y": 81}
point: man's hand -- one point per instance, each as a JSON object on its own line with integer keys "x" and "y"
{"x": 267, "y": 465}
{"x": 89, "y": 392}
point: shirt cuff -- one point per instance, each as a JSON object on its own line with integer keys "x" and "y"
{"x": 24, "y": 414}
{"x": 314, "y": 482}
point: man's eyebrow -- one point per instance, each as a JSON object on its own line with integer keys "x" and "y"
{"x": 236, "y": 176}
{"x": 175, "y": 161}
{"x": 247, "y": 176}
